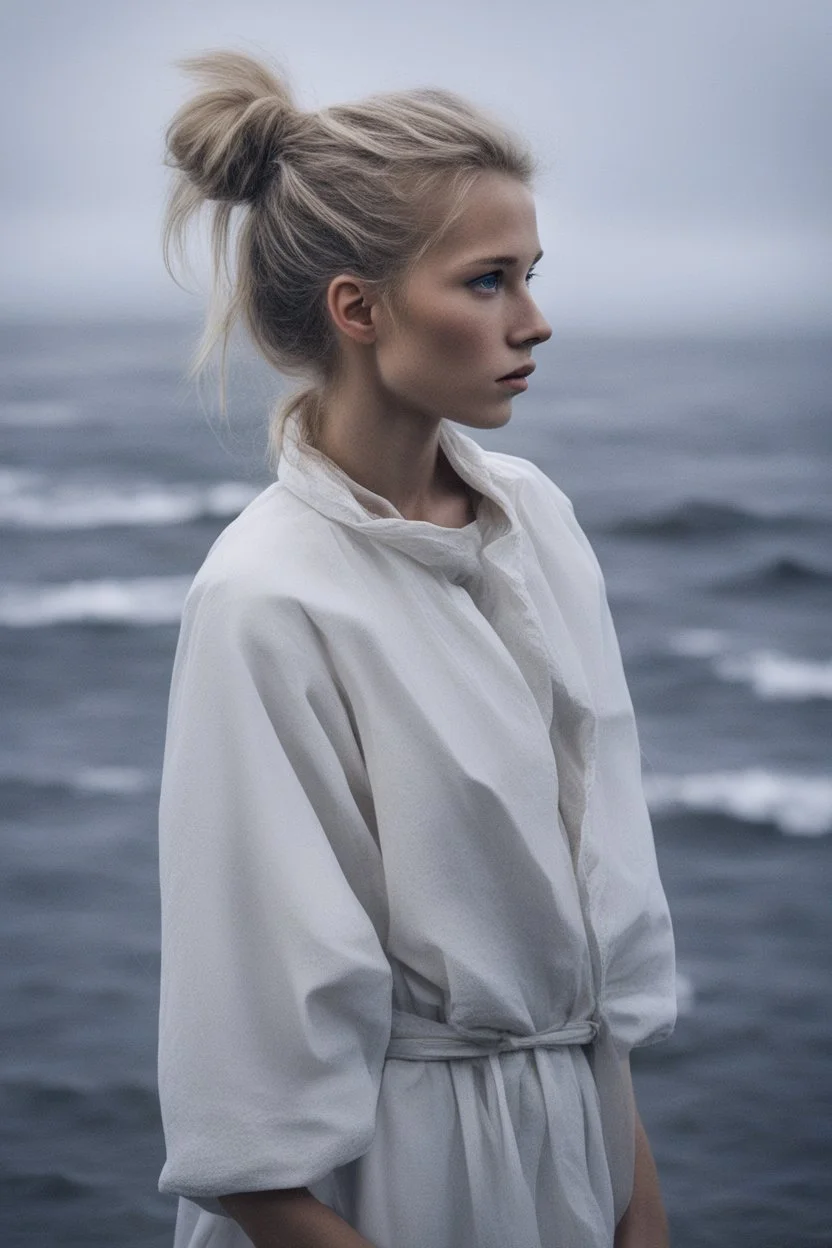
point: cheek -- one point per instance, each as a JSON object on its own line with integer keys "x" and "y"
{"x": 459, "y": 334}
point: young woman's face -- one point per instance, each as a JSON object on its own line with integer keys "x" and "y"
{"x": 465, "y": 317}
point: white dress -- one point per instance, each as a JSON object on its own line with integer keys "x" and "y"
{"x": 411, "y": 915}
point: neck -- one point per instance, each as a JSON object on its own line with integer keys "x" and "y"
{"x": 391, "y": 450}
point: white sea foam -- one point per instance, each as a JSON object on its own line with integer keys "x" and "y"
{"x": 144, "y": 601}
{"x": 698, "y": 643}
{"x": 777, "y": 676}
{"x": 106, "y": 780}
{"x": 32, "y": 501}
{"x": 685, "y": 995}
{"x": 797, "y": 805}
{"x": 118, "y": 781}
{"x": 771, "y": 675}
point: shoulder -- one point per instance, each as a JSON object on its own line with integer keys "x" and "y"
{"x": 262, "y": 563}
{"x": 536, "y": 497}
{"x": 528, "y": 483}
{"x": 545, "y": 511}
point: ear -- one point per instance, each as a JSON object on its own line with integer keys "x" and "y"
{"x": 350, "y": 302}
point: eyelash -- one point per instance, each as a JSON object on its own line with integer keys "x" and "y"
{"x": 498, "y": 273}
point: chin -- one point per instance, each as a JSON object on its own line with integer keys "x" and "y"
{"x": 484, "y": 419}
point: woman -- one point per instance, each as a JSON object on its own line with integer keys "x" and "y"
{"x": 412, "y": 921}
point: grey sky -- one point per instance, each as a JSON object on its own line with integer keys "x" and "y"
{"x": 685, "y": 142}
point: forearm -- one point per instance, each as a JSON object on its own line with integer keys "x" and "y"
{"x": 644, "y": 1224}
{"x": 291, "y": 1218}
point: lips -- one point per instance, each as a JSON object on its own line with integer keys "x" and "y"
{"x": 524, "y": 371}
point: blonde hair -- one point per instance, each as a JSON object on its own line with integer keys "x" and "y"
{"x": 353, "y": 188}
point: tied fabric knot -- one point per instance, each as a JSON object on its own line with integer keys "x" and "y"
{"x": 488, "y": 1133}
{"x": 583, "y": 1032}
{"x": 417, "y": 1039}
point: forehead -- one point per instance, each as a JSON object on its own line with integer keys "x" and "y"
{"x": 498, "y": 218}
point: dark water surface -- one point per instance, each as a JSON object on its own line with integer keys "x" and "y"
{"x": 701, "y": 471}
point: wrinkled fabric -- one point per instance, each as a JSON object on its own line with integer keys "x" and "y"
{"x": 402, "y": 778}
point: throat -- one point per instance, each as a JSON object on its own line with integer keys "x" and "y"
{"x": 455, "y": 502}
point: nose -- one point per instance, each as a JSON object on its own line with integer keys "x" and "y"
{"x": 531, "y": 328}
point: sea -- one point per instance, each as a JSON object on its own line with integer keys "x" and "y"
{"x": 700, "y": 469}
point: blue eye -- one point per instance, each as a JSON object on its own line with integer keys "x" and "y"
{"x": 491, "y": 282}
{"x": 480, "y": 283}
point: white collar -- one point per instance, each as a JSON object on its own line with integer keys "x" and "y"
{"x": 323, "y": 485}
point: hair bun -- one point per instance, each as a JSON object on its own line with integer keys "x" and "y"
{"x": 227, "y": 136}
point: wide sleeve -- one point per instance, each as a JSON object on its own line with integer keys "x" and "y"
{"x": 630, "y": 914}
{"x": 628, "y": 905}
{"x": 276, "y": 993}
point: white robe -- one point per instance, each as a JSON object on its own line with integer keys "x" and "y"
{"x": 402, "y": 777}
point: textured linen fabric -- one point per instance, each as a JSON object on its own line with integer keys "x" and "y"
{"x": 402, "y": 772}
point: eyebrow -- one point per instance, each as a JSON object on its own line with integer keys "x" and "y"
{"x": 504, "y": 260}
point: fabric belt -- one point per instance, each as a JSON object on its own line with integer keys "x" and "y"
{"x": 417, "y": 1039}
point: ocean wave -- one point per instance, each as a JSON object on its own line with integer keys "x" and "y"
{"x": 112, "y": 781}
{"x": 776, "y": 677}
{"x": 778, "y": 573}
{"x": 685, "y": 994}
{"x": 21, "y": 787}
{"x": 115, "y": 781}
{"x": 698, "y": 643}
{"x": 796, "y": 805}
{"x": 33, "y": 1188}
{"x": 695, "y": 517}
{"x": 147, "y": 600}
{"x": 770, "y": 675}
{"x": 31, "y": 501}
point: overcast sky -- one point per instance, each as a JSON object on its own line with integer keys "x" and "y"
{"x": 685, "y": 143}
